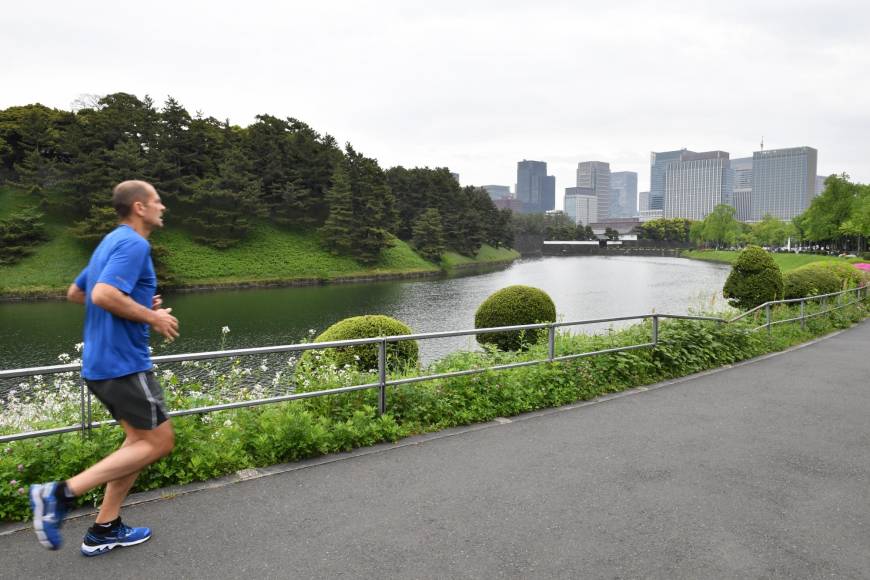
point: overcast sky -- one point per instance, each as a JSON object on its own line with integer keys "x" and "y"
{"x": 476, "y": 85}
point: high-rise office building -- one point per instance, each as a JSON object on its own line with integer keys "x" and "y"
{"x": 820, "y": 184}
{"x": 642, "y": 201}
{"x": 596, "y": 175}
{"x": 696, "y": 183}
{"x": 623, "y": 194}
{"x": 535, "y": 189}
{"x": 581, "y": 205}
{"x": 783, "y": 182}
{"x": 498, "y": 191}
{"x": 658, "y": 163}
{"x": 742, "y": 194}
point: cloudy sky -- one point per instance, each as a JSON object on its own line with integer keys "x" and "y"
{"x": 476, "y": 85}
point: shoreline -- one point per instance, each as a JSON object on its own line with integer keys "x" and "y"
{"x": 472, "y": 268}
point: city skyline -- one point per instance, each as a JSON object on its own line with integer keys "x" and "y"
{"x": 385, "y": 80}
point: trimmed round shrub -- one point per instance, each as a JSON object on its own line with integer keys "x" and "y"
{"x": 513, "y": 306}
{"x": 364, "y": 357}
{"x": 809, "y": 281}
{"x": 755, "y": 278}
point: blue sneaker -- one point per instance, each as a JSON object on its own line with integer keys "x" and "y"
{"x": 98, "y": 542}
{"x": 47, "y": 514}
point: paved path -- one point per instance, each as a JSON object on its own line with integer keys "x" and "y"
{"x": 760, "y": 471}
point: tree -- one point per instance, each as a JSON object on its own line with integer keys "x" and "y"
{"x": 611, "y": 234}
{"x": 771, "y": 232}
{"x": 224, "y": 207}
{"x": 18, "y": 234}
{"x": 337, "y": 231}
{"x": 821, "y": 222}
{"x": 429, "y": 235}
{"x": 720, "y": 227}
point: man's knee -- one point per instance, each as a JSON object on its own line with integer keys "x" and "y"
{"x": 165, "y": 441}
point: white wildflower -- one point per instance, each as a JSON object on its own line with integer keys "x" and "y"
{"x": 228, "y": 423}
{"x": 79, "y": 346}
{"x": 225, "y": 330}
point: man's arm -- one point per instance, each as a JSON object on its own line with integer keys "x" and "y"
{"x": 75, "y": 294}
{"x": 110, "y": 298}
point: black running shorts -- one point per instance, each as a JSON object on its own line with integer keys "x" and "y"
{"x": 136, "y": 399}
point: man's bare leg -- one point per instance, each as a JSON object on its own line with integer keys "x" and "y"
{"x": 141, "y": 448}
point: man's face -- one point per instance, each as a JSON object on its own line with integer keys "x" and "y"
{"x": 152, "y": 211}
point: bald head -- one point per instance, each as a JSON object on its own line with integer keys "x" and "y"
{"x": 129, "y": 192}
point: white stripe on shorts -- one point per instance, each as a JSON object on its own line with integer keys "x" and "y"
{"x": 150, "y": 398}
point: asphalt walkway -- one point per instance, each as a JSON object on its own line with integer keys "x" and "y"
{"x": 758, "y": 471}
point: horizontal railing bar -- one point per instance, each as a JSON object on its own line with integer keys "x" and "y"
{"x": 279, "y": 399}
{"x": 420, "y": 379}
{"x": 609, "y": 350}
{"x": 690, "y": 317}
{"x": 40, "y": 433}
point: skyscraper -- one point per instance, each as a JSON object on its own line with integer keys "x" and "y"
{"x": 623, "y": 194}
{"x": 741, "y": 197}
{"x": 498, "y": 191}
{"x": 642, "y": 201}
{"x": 596, "y": 175}
{"x": 658, "y": 163}
{"x": 581, "y": 205}
{"x": 783, "y": 182}
{"x": 535, "y": 189}
{"x": 696, "y": 183}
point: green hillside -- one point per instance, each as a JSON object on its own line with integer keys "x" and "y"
{"x": 269, "y": 255}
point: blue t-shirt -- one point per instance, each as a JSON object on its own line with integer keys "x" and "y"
{"x": 114, "y": 346}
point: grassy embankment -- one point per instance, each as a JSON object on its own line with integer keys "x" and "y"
{"x": 785, "y": 262}
{"x": 269, "y": 256}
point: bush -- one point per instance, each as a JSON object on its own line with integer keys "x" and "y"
{"x": 365, "y": 357}
{"x": 809, "y": 280}
{"x": 755, "y": 279}
{"x": 512, "y": 306}
{"x": 848, "y": 275}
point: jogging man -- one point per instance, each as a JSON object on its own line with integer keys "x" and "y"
{"x": 118, "y": 290}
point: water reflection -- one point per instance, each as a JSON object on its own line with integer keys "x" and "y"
{"x": 582, "y": 288}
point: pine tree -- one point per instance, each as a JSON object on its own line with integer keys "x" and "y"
{"x": 429, "y": 235}
{"x": 338, "y": 230}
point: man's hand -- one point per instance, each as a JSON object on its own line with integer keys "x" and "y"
{"x": 157, "y": 302}
{"x": 160, "y": 319}
{"x": 164, "y": 323}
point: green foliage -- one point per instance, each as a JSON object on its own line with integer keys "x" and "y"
{"x": 224, "y": 442}
{"x": 755, "y": 279}
{"x": 772, "y": 232}
{"x": 337, "y": 232}
{"x": 810, "y": 280}
{"x": 19, "y": 233}
{"x": 512, "y": 306}
{"x": 720, "y": 227}
{"x": 666, "y": 229}
{"x": 468, "y": 216}
{"x": 847, "y": 275}
{"x": 400, "y": 355}
{"x": 100, "y": 221}
{"x": 222, "y": 208}
{"x": 429, "y": 235}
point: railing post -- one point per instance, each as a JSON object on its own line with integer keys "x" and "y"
{"x": 82, "y": 391}
{"x": 803, "y": 319}
{"x": 551, "y": 339}
{"x": 382, "y": 377}
{"x": 90, "y": 416}
{"x": 655, "y": 330}
{"x": 767, "y": 315}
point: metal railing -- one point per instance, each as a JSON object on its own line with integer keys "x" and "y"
{"x": 86, "y": 423}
